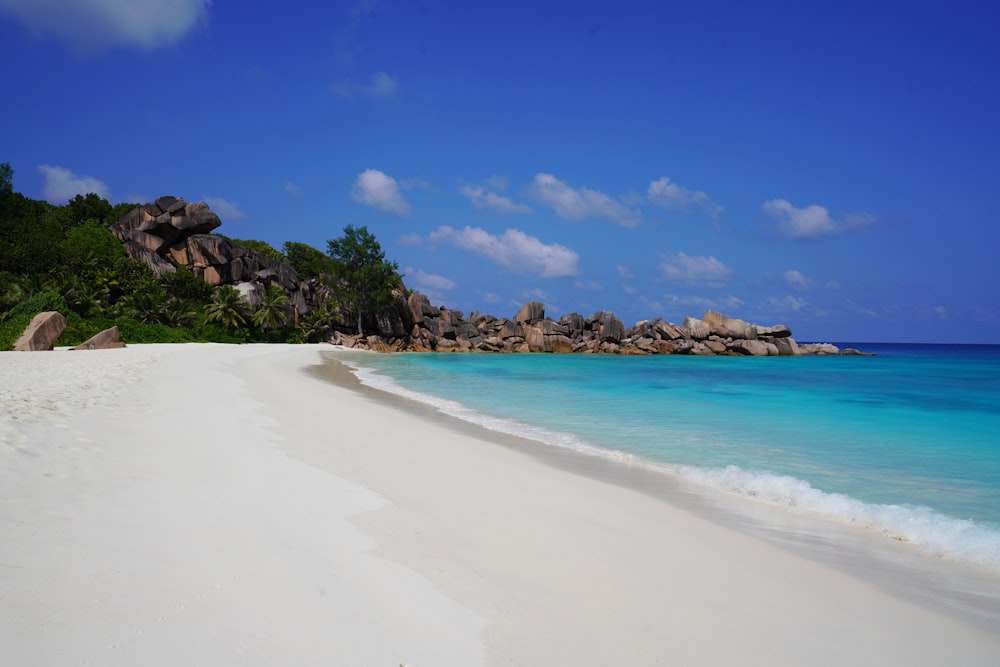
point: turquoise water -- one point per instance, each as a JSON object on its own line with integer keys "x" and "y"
{"x": 907, "y": 442}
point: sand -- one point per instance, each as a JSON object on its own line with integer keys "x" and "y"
{"x": 230, "y": 505}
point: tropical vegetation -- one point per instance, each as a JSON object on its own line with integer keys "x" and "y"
{"x": 64, "y": 258}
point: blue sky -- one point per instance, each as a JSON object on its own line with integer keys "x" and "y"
{"x": 829, "y": 166}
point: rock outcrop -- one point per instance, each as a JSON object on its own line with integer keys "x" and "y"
{"x": 439, "y": 329}
{"x": 169, "y": 233}
{"x": 42, "y": 332}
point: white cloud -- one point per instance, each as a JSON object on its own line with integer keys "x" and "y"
{"x": 100, "y": 24}
{"x": 576, "y": 204}
{"x": 429, "y": 280}
{"x": 796, "y": 280}
{"x": 787, "y": 304}
{"x": 624, "y": 272}
{"x": 380, "y": 191}
{"x": 381, "y": 87}
{"x": 812, "y": 222}
{"x": 482, "y": 198}
{"x": 293, "y": 189}
{"x": 224, "y": 208}
{"x": 663, "y": 192}
{"x": 688, "y": 269}
{"x": 588, "y": 286}
{"x": 61, "y": 184}
{"x": 411, "y": 239}
{"x": 513, "y": 250}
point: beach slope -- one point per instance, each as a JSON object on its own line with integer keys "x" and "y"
{"x": 209, "y": 504}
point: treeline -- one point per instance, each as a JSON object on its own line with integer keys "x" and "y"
{"x": 64, "y": 258}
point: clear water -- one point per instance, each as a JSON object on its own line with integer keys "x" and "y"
{"x": 906, "y": 442}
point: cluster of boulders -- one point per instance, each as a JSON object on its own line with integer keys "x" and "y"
{"x": 170, "y": 232}
{"x": 45, "y": 328}
{"x": 421, "y": 327}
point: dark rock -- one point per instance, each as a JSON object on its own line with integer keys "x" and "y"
{"x": 728, "y": 327}
{"x": 159, "y": 265}
{"x": 201, "y": 219}
{"x": 608, "y": 327}
{"x": 695, "y": 329}
{"x": 818, "y": 348}
{"x": 441, "y": 329}
{"x": 777, "y": 331}
{"x": 205, "y": 250}
{"x": 511, "y": 330}
{"x": 178, "y": 206}
{"x": 530, "y": 313}
{"x": 165, "y": 202}
{"x": 573, "y": 322}
{"x": 787, "y": 347}
{"x": 42, "y": 332}
{"x": 145, "y": 239}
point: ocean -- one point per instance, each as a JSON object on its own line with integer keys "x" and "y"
{"x": 905, "y": 443}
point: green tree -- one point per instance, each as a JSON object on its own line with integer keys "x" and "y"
{"x": 363, "y": 277}
{"x": 88, "y": 247}
{"x": 307, "y": 260}
{"x": 316, "y": 325}
{"x": 6, "y": 179}
{"x": 184, "y": 284}
{"x": 226, "y": 308}
{"x": 272, "y": 312}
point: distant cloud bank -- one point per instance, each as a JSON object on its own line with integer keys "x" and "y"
{"x": 103, "y": 24}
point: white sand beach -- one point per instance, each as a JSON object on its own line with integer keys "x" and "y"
{"x": 230, "y": 505}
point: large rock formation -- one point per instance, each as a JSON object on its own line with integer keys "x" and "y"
{"x": 42, "y": 332}
{"x": 170, "y": 232}
{"x": 431, "y": 328}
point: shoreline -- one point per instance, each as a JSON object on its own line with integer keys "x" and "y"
{"x": 276, "y": 516}
{"x": 969, "y": 590}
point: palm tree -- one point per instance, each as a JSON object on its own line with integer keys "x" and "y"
{"x": 226, "y": 308}
{"x": 145, "y": 306}
{"x": 317, "y": 324}
{"x": 272, "y": 311}
{"x": 180, "y": 313}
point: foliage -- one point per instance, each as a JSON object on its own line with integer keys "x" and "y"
{"x": 6, "y": 179}
{"x": 364, "y": 279}
{"x": 308, "y": 261}
{"x": 184, "y": 284}
{"x": 19, "y": 317}
{"x": 64, "y": 258}
{"x": 262, "y": 248}
{"x": 271, "y": 313}
{"x": 89, "y": 246}
{"x": 226, "y": 308}
{"x": 29, "y": 236}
